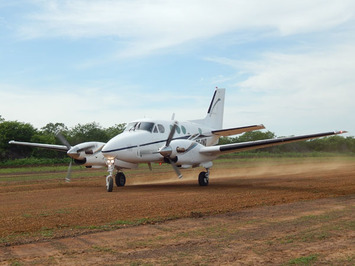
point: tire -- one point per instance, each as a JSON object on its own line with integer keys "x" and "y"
{"x": 120, "y": 179}
{"x": 203, "y": 179}
{"x": 109, "y": 184}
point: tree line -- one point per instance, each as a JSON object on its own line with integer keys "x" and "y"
{"x": 20, "y": 131}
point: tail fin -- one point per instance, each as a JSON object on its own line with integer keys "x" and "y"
{"x": 214, "y": 117}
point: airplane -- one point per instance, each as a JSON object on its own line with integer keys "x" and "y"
{"x": 183, "y": 145}
{"x": 87, "y": 154}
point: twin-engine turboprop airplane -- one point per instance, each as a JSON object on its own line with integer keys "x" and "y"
{"x": 87, "y": 154}
{"x": 181, "y": 144}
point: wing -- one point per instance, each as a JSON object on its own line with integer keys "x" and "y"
{"x": 41, "y": 145}
{"x": 236, "y": 130}
{"x": 251, "y": 145}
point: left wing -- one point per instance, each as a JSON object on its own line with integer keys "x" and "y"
{"x": 251, "y": 145}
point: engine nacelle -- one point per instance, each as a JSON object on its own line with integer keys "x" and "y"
{"x": 92, "y": 160}
{"x": 187, "y": 152}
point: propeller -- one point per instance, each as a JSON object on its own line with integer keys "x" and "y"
{"x": 67, "y": 178}
{"x": 63, "y": 140}
{"x": 166, "y": 151}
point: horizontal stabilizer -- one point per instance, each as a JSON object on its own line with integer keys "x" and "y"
{"x": 237, "y": 130}
{"x": 41, "y": 145}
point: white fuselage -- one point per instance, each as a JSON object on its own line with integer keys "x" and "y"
{"x": 142, "y": 139}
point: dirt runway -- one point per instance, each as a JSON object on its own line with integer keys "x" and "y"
{"x": 49, "y": 215}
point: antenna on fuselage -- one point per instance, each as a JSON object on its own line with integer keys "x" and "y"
{"x": 173, "y": 116}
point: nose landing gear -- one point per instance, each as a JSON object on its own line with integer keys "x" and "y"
{"x": 109, "y": 179}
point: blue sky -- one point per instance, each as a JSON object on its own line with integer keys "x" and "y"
{"x": 287, "y": 64}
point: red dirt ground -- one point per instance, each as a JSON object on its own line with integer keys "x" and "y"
{"x": 247, "y": 215}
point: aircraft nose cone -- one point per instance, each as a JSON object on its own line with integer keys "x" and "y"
{"x": 109, "y": 149}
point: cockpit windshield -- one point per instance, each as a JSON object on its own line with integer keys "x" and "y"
{"x": 147, "y": 126}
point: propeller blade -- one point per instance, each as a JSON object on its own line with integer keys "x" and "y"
{"x": 67, "y": 178}
{"x": 63, "y": 140}
{"x": 176, "y": 169}
{"x": 171, "y": 134}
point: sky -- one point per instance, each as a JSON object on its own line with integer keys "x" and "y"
{"x": 289, "y": 65}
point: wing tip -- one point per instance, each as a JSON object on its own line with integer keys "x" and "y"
{"x": 340, "y": 132}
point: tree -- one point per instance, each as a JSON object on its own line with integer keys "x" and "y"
{"x": 255, "y": 135}
{"x": 87, "y": 132}
{"x": 52, "y": 129}
{"x": 115, "y": 130}
{"x": 14, "y": 130}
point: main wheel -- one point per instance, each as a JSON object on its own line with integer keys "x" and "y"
{"x": 120, "y": 179}
{"x": 203, "y": 179}
{"x": 109, "y": 184}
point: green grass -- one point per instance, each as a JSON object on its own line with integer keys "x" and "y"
{"x": 309, "y": 260}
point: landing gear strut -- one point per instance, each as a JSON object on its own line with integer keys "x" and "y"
{"x": 109, "y": 179}
{"x": 203, "y": 178}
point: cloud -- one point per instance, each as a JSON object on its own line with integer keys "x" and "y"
{"x": 144, "y": 26}
{"x": 88, "y": 104}
{"x": 298, "y": 90}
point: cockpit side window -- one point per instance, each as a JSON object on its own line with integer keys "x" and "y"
{"x": 161, "y": 128}
{"x": 131, "y": 126}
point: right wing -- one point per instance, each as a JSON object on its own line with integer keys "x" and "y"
{"x": 252, "y": 145}
{"x": 41, "y": 145}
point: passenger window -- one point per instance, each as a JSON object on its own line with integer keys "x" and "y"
{"x": 161, "y": 128}
{"x": 178, "y": 129}
{"x": 183, "y": 129}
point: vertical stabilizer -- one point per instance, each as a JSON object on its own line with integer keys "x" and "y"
{"x": 214, "y": 117}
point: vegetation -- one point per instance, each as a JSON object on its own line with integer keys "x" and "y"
{"x": 14, "y": 130}
{"x": 13, "y": 155}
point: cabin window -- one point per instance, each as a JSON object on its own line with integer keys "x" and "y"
{"x": 161, "y": 128}
{"x": 177, "y": 129}
{"x": 183, "y": 129}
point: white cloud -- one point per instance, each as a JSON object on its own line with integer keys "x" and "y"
{"x": 288, "y": 91}
{"x": 85, "y": 105}
{"x": 144, "y": 26}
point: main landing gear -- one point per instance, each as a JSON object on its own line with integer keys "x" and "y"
{"x": 203, "y": 178}
{"x": 120, "y": 179}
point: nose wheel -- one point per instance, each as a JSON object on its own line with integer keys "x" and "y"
{"x": 109, "y": 183}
